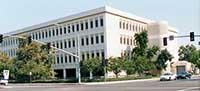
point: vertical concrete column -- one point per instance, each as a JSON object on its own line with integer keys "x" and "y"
{"x": 64, "y": 73}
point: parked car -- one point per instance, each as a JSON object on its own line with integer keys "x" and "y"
{"x": 168, "y": 76}
{"x": 184, "y": 75}
{"x": 3, "y": 81}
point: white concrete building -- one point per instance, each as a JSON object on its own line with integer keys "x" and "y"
{"x": 103, "y": 32}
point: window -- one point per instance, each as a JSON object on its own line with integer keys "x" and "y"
{"x": 123, "y": 25}
{"x": 70, "y": 59}
{"x": 102, "y": 38}
{"x": 57, "y": 60}
{"x": 65, "y": 30}
{"x": 65, "y": 44}
{"x": 61, "y": 45}
{"x": 101, "y": 21}
{"x": 46, "y": 33}
{"x": 43, "y": 35}
{"x": 92, "y": 40}
{"x": 97, "y": 39}
{"x": 124, "y": 40}
{"x": 82, "y": 42}
{"x": 65, "y": 58}
{"x": 92, "y": 54}
{"x": 77, "y": 27}
{"x": 49, "y": 33}
{"x": 91, "y": 24}
{"x": 69, "y": 29}
{"x": 97, "y": 54}
{"x": 69, "y": 44}
{"x": 130, "y": 26}
{"x": 86, "y": 25}
{"x": 88, "y": 55}
{"x": 127, "y": 41}
{"x": 74, "y": 59}
{"x": 96, "y": 23}
{"x": 87, "y": 41}
{"x": 131, "y": 42}
{"x": 56, "y": 31}
{"x": 120, "y": 24}
{"x": 61, "y": 59}
{"x": 121, "y": 40}
{"x": 57, "y": 45}
{"x": 81, "y": 26}
{"x": 73, "y": 43}
{"x": 39, "y": 35}
{"x": 73, "y": 28}
{"x": 127, "y": 26}
{"x": 53, "y": 32}
{"x": 60, "y": 30}
{"x": 83, "y": 56}
{"x": 102, "y": 54}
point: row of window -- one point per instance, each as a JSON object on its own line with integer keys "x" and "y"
{"x": 84, "y": 41}
{"x": 132, "y": 27}
{"x": 127, "y": 41}
{"x": 63, "y": 59}
{"x": 11, "y": 52}
{"x": 69, "y": 28}
{"x": 9, "y": 42}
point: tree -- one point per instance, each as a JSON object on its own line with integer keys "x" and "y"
{"x": 142, "y": 55}
{"x": 190, "y": 54}
{"x": 33, "y": 58}
{"x": 116, "y": 65}
{"x": 91, "y": 65}
{"x": 163, "y": 57}
{"x": 5, "y": 63}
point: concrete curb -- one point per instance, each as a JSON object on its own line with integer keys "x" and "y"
{"x": 116, "y": 82}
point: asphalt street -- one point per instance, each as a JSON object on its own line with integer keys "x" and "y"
{"x": 152, "y": 85}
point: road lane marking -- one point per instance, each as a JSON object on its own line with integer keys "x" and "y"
{"x": 191, "y": 88}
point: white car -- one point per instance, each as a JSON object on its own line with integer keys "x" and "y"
{"x": 3, "y": 81}
{"x": 168, "y": 76}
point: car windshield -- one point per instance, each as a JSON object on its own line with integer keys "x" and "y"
{"x": 167, "y": 74}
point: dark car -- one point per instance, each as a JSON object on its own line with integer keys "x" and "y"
{"x": 184, "y": 75}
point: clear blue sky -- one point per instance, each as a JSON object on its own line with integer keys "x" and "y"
{"x": 182, "y": 14}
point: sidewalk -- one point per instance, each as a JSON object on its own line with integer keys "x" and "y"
{"x": 116, "y": 82}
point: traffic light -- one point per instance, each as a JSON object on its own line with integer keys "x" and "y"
{"x": 191, "y": 36}
{"x": 48, "y": 46}
{"x": 1, "y": 38}
{"x": 171, "y": 37}
{"x": 165, "y": 41}
{"x": 29, "y": 39}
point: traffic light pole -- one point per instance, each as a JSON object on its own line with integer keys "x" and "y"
{"x": 77, "y": 56}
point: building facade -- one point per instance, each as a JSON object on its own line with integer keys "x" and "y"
{"x": 103, "y": 32}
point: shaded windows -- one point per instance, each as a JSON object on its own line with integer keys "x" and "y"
{"x": 46, "y": 33}
{"x": 120, "y": 24}
{"x": 96, "y": 23}
{"x": 60, "y": 30}
{"x": 86, "y": 25}
{"x": 56, "y": 31}
{"x": 101, "y": 22}
{"x": 83, "y": 56}
{"x": 77, "y": 27}
{"x": 73, "y": 28}
{"x": 91, "y": 24}
{"x": 53, "y": 32}
{"x": 65, "y": 30}
{"x": 97, "y": 39}
{"x": 65, "y": 58}
{"x": 82, "y": 42}
{"x": 69, "y": 43}
{"x": 92, "y": 40}
{"x": 73, "y": 43}
{"x": 81, "y": 26}
{"x": 65, "y": 44}
{"x": 87, "y": 41}
{"x": 50, "y": 33}
{"x": 69, "y": 29}
{"x": 102, "y": 38}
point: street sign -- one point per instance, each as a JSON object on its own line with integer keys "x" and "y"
{"x": 6, "y": 74}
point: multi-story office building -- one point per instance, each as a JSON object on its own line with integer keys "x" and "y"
{"x": 103, "y": 32}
